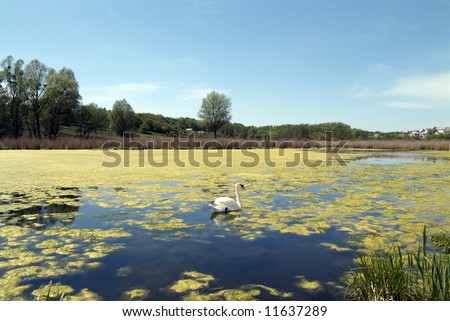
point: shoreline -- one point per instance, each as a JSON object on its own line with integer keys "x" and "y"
{"x": 221, "y": 143}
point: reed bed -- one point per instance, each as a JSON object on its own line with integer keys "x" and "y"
{"x": 396, "y": 276}
{"x": 221, "y": 143}
{"x": 46, "y": 143}
{"x": 400, "y": 145}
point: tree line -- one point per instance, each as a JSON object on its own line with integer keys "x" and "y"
{"x": 38, "y": 101}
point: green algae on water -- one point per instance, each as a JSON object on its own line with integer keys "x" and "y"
{"x": 136, "y": 294}
{"x": 195, "y": 286}
{"x": 369, "y": 205}
{"x": 311, "y": 286}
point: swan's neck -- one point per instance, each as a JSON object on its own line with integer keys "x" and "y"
{"x": 238, "y": 198}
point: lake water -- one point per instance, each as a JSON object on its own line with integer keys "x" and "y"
{"x": 297, "y": 235}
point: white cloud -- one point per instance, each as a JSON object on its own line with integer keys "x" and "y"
{"x": 198, "y": 92}
{"x": 204, "y": 6}
{"x": 405, "y": 105}
{"x": 361, "y": 91}
{"x": 380, "y": 67}
{"x": 148, "y": 87}
{"x": 109, "y": 94}
{"x": 195, "y": 93}
{"x": 430, "y": 87}
{"x": 420, "y": 92}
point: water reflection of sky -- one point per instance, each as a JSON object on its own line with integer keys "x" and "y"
{"x": 155, "y": 258}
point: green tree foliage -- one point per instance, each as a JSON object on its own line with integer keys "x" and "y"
{"x": 159, "y": 124}
{"x": 61, "y": 98}
{"x": 35, "y": 97}
{"x": 90, "y": 118}
{"x": 339, "y": 131}
{"x": 13, "y": 90}
{"x": 122, "y": 118}
{"x": 234, "y": 130}
{"x": 215, "y": 111}
{"x": 5, "y": 124}
{"x": 35, "y": 74}
{"x": 291, "y": 131}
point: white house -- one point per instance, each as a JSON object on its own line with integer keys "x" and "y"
{"x": 442, "y": 130}
{"x": 414, "y": 135}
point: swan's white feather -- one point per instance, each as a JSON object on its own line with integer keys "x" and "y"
{"x": 227, "y": 201}
{"x": 218, "y": 208}
{"x": 227, "y": 204}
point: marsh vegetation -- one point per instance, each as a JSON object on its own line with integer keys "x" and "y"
{"x": 395, "y": 275}
{"x": 75, "y": 230}
{"x": 68, "y": 142}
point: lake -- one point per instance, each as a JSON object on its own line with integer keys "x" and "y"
{"x": 136, "y": 225}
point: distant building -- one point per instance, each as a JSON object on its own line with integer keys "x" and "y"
{"x": 425, "y": 132}
{"x": 414, "y": 135}
{"x": 442, "y": 130}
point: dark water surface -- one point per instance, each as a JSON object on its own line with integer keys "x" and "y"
{"x": 274, "y": 260}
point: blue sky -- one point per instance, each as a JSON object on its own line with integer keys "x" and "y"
{"x": 376, "y": 65}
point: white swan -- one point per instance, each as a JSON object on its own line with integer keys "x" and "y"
{"x": 226, "y": 204}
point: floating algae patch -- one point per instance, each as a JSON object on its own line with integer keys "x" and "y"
{"x": 13, "y": 233}
{"x": 298, "y": 229}
{"x": 52, "y": 244}
{"x": 225, "y": 295}
{"x": 60, "y": 292}
{"x": 18, "y": 256}
{"x": 311, "y": 286}
{"x": 124, "y": 271}
{"x": 84, "y": 295}
{"x": 136, "y": 294}
{"x": 336, "y": 247}
{"x": 271, "y": 291}
{"x": 52, "y": 291}
{"x": 93, "y": 235}
{"x": 52, "y": 253}
{"x": 176, "y": 227}
{"x": 11, "y": 289}
{"x": 193, "y": 281}
{"x": 195, "y": 286}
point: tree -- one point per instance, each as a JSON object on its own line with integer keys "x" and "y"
{"x": 35, "y": 74}
{"x": 5, "y": 125}
{"x": 61, "y": 98}
{"x": 89, "y": 119}
{"x": 13, "y": 88}
{"x": 122, "y": 117}
{"x": 215, "y": 111}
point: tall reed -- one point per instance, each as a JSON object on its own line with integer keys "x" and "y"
{"x": 394, "y": 275}
{"x": 221, "y": 143}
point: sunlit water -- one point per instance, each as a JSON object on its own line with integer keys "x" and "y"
{"x": 154, "y": 259}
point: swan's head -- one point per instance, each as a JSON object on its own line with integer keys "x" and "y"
{"x": 240, "y": 186}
